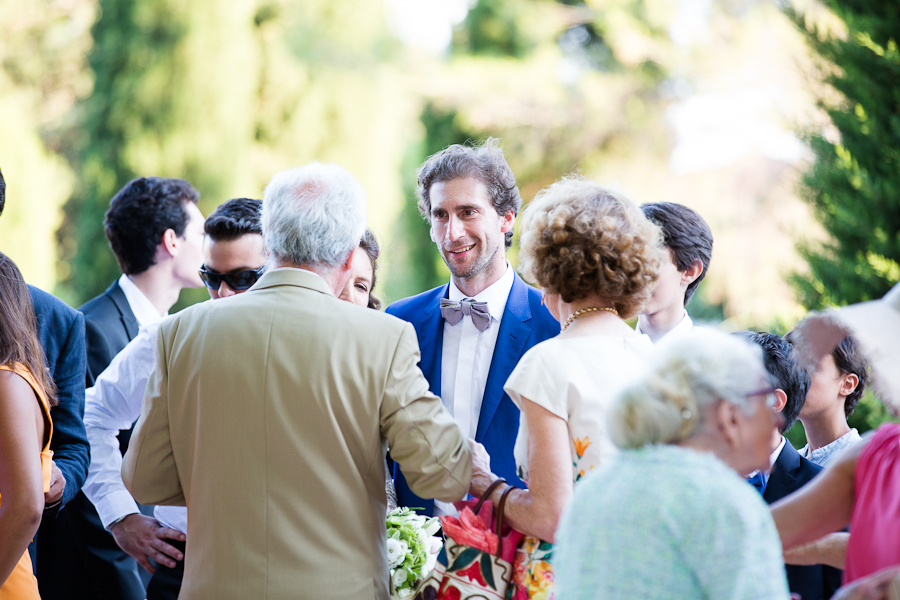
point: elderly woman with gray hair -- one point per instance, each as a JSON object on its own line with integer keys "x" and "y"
{"x": 670, "y": 516}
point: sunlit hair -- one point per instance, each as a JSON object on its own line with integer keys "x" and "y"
{"x": 19, "y": 341}
{"x": 234, "y": 218}
{"x": 665, "y": 404}
{"x": 313, "y": 215}
{"x": 581, "y": 238}
{"x": 370, "y": 245}
{"x": 484, "y": 162}
{"x": 686, "y": 234}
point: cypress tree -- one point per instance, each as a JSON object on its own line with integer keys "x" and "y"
{"x": 854, "y": 183}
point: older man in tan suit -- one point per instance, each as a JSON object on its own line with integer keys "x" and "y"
{"x": 266, "y": 413}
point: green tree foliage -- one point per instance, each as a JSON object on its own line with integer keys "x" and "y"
{"x": 224, "y": 94}
{"x": 854, "y": 184}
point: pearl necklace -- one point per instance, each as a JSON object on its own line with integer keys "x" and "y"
{"x": 584, "y": 311}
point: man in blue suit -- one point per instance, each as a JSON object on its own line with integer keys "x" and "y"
{"x": 61, "y": 331}
{"x": 473, "y": 330}
{"x": 790, "y": 471}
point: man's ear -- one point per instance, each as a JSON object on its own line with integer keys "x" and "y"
{"x": 849, "y": 383}
{"x": 508, "y": 220}
{"x": 780, "y": 400}
{"x": 689, "y": 275}
{"x": 170, "y": 243}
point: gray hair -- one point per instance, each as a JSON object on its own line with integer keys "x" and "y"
{"x": 664, "y": 405}
{"x": 313, "y": 215}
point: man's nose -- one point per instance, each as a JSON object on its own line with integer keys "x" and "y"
{"x": 455, "y": 229}
{"x": 225, "y": 290}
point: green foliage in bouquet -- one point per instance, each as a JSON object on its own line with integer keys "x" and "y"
{"x": 408, "y": 539}
{"x": 854, "y": 183}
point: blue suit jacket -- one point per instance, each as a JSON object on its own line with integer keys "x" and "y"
{"x": 61, "y": 331}
{"x": 525, "y": 322}
{"x": 790, "y": 473}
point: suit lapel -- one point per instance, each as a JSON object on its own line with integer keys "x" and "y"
{"x": 430, "y": 331}
{"x": 783, "y": 479}
{"x": 129, "y": 321}
{"x": 511, "y": 340}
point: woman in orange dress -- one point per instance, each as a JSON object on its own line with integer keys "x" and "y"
{"x": 26, "y": 394}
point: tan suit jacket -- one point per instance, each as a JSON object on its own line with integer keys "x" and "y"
{"x": 265, "y": 417}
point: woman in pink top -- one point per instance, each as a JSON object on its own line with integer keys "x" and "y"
{"x": 862, "y": 489}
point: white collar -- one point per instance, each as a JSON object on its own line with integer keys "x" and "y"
{"x": 774, "y": 456}
{"x": 143, "y": 309}
{"x": 496, "y": 295}
{"x": 683, "y": 326}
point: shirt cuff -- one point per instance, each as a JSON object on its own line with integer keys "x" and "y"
{"x": 115, "y": 505}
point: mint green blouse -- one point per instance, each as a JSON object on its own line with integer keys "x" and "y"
{"x": 666, "y": 522}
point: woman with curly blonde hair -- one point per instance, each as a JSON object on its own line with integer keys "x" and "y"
{"x": 597, "y": 259}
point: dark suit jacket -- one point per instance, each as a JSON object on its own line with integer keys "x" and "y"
{"x": 61, "y": 331}
{"x": 109, "y": 325}
{"x": 81, "y": 560}
{"x": 525, "y": 322}
{"x": 790, "y": 473}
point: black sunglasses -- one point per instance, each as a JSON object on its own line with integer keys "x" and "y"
{"x": 236, "y": 280}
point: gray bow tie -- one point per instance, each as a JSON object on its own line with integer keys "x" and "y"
{"x": 453, "y": 312}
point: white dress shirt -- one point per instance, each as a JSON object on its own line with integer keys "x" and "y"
{"x": 773, "y": 458}
{"x": 114, "y": 403}
{"x": 140, "y": 305}
{"x": 466, "y": 356}
{"x": 684, "y": 325}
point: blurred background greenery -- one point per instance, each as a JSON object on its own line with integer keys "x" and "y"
{"x": 778, "y": 122}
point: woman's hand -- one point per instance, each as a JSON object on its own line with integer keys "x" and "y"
{"x": 482, "y": 477}
{"x": 873, "y": 587}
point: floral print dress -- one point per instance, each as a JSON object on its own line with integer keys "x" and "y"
{"x": 575, "y": 379}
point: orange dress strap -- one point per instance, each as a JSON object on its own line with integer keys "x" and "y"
{"x": 21, "y": 584}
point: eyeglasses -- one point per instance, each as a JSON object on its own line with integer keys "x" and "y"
{"x": 771, "y": 399}
{"x": 236, "y": 280}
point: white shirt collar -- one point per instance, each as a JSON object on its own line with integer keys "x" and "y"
{"x": 143, "y": 309}
{"x": 496, "y": 295}
{"x": 684, "y": 325}
{"x": 774, "y": 456}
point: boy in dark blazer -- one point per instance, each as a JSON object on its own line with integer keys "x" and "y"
{"x": 790, "y": 471}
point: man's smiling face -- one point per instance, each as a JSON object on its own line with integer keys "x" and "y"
{"x": 466, "y": 227}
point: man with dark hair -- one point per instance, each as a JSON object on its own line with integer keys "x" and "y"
{"x": 233, "y": 261}
{"x": 690, "y": 243}
{"x": 789, "y": 471}
{"x": 61, "y": 331}
{"x": 473, "y": 331}
{"x": 837, "y": 385}
{"x": 155, "y": 231}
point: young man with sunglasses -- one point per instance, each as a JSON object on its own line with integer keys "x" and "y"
{"x": 789, "y": 471}
{"x": 233, "y": 261}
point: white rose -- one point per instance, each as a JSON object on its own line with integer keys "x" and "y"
{"x": 396, "y": 552}
{"x": 405, "y": 593}
{"x": 398, "y": 578}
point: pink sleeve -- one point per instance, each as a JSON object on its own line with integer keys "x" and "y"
{"x": 875, "y": 524}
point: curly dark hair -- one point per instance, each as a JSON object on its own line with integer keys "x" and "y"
{"x": 580, "y": 238}
{"x": 782, "y": 363}
{"x": 19, "y": 341}
{"x": 140, "y": 213}
{"x": 484, "y": 162}
{"x": 686, "y": 234}
{"x": 234, "y": 218}
{"x": 2, "y": 192}
{"x": 370, "y": 245}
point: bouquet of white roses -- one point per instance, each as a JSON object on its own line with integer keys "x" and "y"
{"x": 411, "y": 550}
